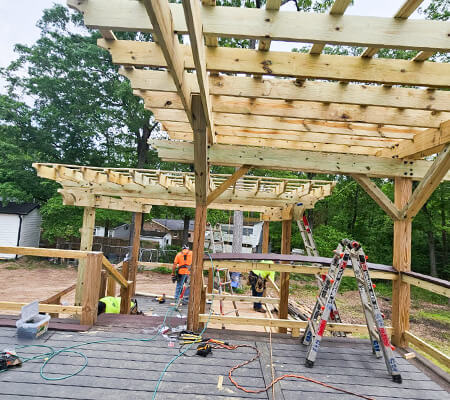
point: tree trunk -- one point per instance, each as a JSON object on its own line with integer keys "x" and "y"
{"x": 432, "y": 251}
{"x": 444, "y": 225}
{"x": 355, "y": 211}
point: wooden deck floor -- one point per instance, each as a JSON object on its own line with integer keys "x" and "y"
{"x": 130, "y": 370}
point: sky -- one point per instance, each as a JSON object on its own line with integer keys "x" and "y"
{"x": 19, "y": 17}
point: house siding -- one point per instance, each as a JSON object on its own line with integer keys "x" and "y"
{"x": 31, "y": 229}
{"x": 9, "y": 231}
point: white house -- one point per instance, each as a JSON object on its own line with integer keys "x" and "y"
{"x": 20, "y": 225}
{"x": 163, "y": 239}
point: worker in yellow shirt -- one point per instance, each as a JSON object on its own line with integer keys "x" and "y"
{"x": 257, "y": 279}
{"x": 180, "y": 273}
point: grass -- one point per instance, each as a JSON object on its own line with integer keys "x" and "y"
{"x": 30, "y": 263}
{"x": 162, "y": 270}
{"x": 442, "y": 317}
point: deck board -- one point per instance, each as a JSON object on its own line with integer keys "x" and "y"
{"x": 131, "y": 369}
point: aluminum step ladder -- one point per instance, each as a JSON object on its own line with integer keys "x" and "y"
{"x": 216, "y": 243}
{"x": 350, "y": 251}
{"x": 311, "y": 250}
{"x": 221, "y": 285}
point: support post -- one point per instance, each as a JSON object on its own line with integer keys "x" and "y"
{"x": 136, "y": 243}
{"x": 265, "y": 237}
{"x": 87, "y": 237}
{"x": 103, "y": 278}
{"x": 110, "y": 286}
{"x": 401, "y": 262}
{"x": 284, "y": 280}
{"x": 91, "y": 288}
{"x": 125, "y": 293}
{"x": 201, "y": 171}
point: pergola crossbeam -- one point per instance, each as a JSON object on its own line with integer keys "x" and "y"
{"x": 226, "y": 184}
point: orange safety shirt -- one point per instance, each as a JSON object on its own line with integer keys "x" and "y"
{"x": 184, "y": 260}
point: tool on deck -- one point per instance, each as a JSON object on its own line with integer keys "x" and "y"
{"x": 9, "y": 359}
{"x": 311, "y": 250}
{"x": 381, "y": 346}
{"x": 204, "y": 349}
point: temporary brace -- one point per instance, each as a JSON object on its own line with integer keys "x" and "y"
{"x": 348, "y": 250}
{"x": 311, "y": 250}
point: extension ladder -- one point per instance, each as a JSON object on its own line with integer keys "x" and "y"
{"x": 311, "y": 250}
{"x": 348, "y": 250}
{"x": 221, "y": 285}
{"x": 216, "y": 243}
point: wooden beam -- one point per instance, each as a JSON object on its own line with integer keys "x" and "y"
{"x": 87, "y": 237}
{"x": 248, "y": 299}
{"x": 43, "y": 252}
{"x": 125, "y": 292}
{"x": 296, "y": 160}
{"x": 260, "y": 24}
{"x": 338, "y": 8}
{"x": 401, "y": 300}
{"x": 408, "y": 7}
{"x": 133, "y": 263}
{"x": 45, "y": 308}
{"x": 195, "y": 28}
{"x": 226, "y": 184}
{"x": 427, "y": 349}
{"x": 286, "y": 232}
{"x": 265, "y": 237}
{"x": 290, "y": 89}
{"x": 378, "y": 196}
{"x": 282, "y": 323}
{"x": 431, "y": 181}
{"x": 56, "y": 298}
{"x": 432, "y": 287}
{"x": 201, "y": 170}
{"x": 271, "y": 5}
{"x": 165, "y": 33}
{"x": 210, "y": 41}
{"x": 423, "y": 56}
{"x": 112, "y": 271}
{"x": 423, "y": 144}
{"x": 91, "y": 288}
{"x": 333, "y": 67}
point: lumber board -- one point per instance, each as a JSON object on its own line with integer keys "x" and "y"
{"x": 296, "y": 160}
{"x": 291, "y": 89}
{"x": 44, "y": 252}
{"x": 45, "y": 308}
{"x": 259, "y": 24}
{"x": 226, "y": 184}
{"x": 91, "y": 289}
{"x": 112, "y": 271}
{"x": 427, "y": 349}
{"x": 299, "y": 65}
{"x": 56, "y": 298}
{"x": 246, "y": 299}
{"x": 432, "y": 287}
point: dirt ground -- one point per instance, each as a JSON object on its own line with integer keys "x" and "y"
{"x": 30, "y": 278}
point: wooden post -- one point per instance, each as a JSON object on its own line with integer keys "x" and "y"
{"x": 284, "y": 281}
{"x": 201, "y": 171}
{"x": 102, "y": 290}
{"x": 136, "y": 243}
{"x": 125, "y": 293}
{"x": 110, "y": 286}
{"x": 201, "y": 325}
{"x": 401, "y": 300}
{"x": 91, "y": 288}
{"x": 87, "y": 237}
{"x": 265, "y": 238}
{"x": 210, "y": 280}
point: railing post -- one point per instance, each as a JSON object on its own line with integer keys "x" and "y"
{"x": 125, "y": 293}
{"x": 110, "y": 286}
{"x": 91, "y": 288}
{"x": 284, "y": 277}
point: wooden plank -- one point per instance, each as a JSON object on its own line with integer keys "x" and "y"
{"x": 43, "y": 252}
{"x": 45, "y": 308}
{"x": 136, "y": 244}
{"x": 378, "y": 196}
{"x": 111, "y": 286}
{"x": 282, "y": 323}
{"x": 164, "y": 31}
{"x": 423, "y": 56}
{"x": 125, "y": 292}
{"x": 265, "y": 238}
{"x": 262, "y": 24}
{"x": 226, "y": 184}
{"x": 286, "y": 233}
{"x": 87, "y": 237}
{"x": 290, "y": 89}
{"x": 443, "y": 291}
{"x": 296, "y": 160}
{"x": 195, "y": 28}
{"x": 338, "y": 8}
{"x": 401, "y": 299}
{"x": 114, "y": 273}
{"x": 427, "y": 349}
{"x": 246, "y": 299}
{"x": 271, "y": 5}
{"x": 102, "y": 290}
{"x": 431, "y": 181}
{"x": 210, "y": 40}
{"x": 56, "y": 298}
{"x": 91, "y": 289}
{"x": 201, "y": 170}
{"x": 423, "y": 144}
{"x": 333, "y": 67}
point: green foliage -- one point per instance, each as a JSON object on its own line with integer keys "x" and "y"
{"x": 327, "y": 238}
{"x": 162, "y": 270}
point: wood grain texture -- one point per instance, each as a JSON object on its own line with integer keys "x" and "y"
{"x": 91, "y": 289}
{"x": 125, "y": 292}
{"x": 286, "y": 233}
{"x": 265, "y": 238}
{"x": 133, "y": 264}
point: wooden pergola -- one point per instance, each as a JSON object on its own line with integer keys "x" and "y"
{"x": 362, "y": 116}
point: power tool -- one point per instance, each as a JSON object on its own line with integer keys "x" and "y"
{"x": 9, "y": 359}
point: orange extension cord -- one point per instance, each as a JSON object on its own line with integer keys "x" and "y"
{"x": 227, "y": 347}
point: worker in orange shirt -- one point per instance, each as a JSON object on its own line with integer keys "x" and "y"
{"x": 180, "y": 272}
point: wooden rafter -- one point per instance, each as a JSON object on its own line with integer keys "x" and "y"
{"x": 194, "y": 24}
{"x": 338, "y": 8}
{"x": 226, "y": 184}
{"x": 430, "y": 182}
{"x": 271, "y": 5}
{"x": 161, "y": 18}
{"x": 290, "y": 90}
{"x": 380, "y": 198}
{"x": 283, "y": 25}
{"x": 333, "y": 67}
{"x": 210, "y": 41}
{"x": 408, "y": 7}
